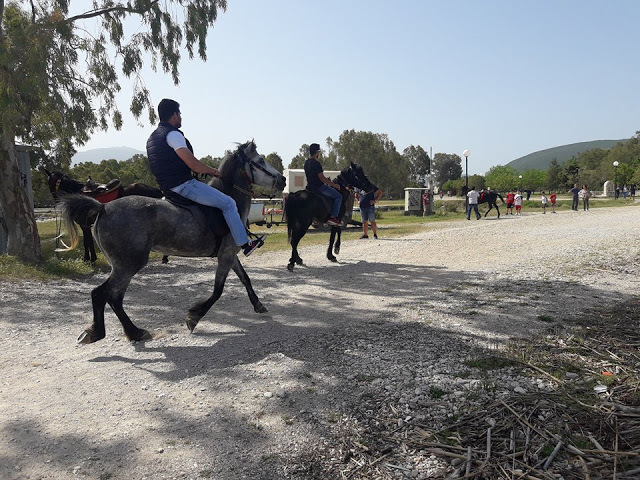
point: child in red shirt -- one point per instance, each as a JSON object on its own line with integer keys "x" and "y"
{"x": 510, "y": 199}
{"x": 552, "y": 199}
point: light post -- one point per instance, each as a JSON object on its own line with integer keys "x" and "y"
{"x": 466, "y": 154}
{"x": 615, "y": 179}
{"x": 520, "y": 177}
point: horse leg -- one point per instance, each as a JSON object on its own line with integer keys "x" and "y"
{"x": 165, "y": 259}
{"x": 198, "y": 310}
{"x": 336, "y": 250}
{"x": 89, "y": 246}
{"x": 298, "y": 231}
{"x": 98, "y": 301}
{"x": 332, "y": 238}
{"x": 112, "y": 292}
{"x": 490, "y": 207}
{"x": 498, "y": 209}
{"x": 244, "y": 278}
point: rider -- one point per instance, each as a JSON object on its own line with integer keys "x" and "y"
{"x": 171, "y": 160}
{"x": 318, "y": 183}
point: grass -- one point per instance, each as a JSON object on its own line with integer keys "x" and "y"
{"x": 392, "y": 223}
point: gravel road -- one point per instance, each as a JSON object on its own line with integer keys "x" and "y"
{"x": 273, "y": 396}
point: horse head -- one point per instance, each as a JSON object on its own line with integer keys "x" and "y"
{"x": 354, "y": 176}
{"x": 253, "y": 168}
{"x": 59, "y": 182}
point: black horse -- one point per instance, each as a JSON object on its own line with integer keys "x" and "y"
{"x": 128, "y": 229}
{"x": 302, "y": 208}
{"x": 491, "y": 198}
{"x": 61, "y": 184}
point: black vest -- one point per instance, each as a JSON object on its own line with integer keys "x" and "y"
{"x": 168, "y": 168}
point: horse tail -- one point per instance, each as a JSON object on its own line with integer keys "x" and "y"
{"x": 500, "y": 197}
{"x": 78, "y": 209}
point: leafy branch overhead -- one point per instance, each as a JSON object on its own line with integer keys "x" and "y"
{"x": 59, "y": 68}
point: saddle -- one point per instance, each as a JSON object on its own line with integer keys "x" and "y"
{"x": 328, "y": 205}
{"x": 328, "y": 202}
{"x": 207, "y": 217}
{"x": 104, "y": 193}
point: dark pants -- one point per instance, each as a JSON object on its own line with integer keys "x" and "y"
{"x": 574, "y": 205}
{"x": 473, "y": 206}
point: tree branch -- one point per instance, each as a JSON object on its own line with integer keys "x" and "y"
{"x": 105, "y": 11}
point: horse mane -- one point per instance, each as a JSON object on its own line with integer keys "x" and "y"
{"x": 227, "y": 166}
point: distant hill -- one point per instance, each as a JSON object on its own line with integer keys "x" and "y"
{"x": 96, "y": 155}
{"x": 542, "y": 159}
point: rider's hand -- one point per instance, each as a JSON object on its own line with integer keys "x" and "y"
{"x": 215, "y": 172}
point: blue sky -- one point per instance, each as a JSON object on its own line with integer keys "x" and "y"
{"x": 500, "y": 78}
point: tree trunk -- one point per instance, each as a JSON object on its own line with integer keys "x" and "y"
{"x": 23, "y": 240}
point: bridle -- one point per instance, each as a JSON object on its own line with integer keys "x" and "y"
{"x": 253, "y": 166}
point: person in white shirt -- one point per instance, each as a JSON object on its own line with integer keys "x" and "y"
{"x": 544, "y": 202}
{"x": 473, "y": 203}
{"x": 517, "y": 201}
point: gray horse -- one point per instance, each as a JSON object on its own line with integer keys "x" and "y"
{"x": 129, "y": 228}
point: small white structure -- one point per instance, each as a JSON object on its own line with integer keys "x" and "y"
{"x": 608, "y": 189}
{"x": 297, "y": 180}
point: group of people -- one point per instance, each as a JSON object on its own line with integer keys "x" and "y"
{"x": 172, "y": 161}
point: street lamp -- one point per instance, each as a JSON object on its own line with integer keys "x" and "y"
{"x": 520, "y": 177}
{"x": 466, "y": 154}
{"x": 615, "y": 179}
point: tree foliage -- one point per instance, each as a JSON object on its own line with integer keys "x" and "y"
{"x": 446, "y": 166}
{"x": 419, "y": 164}
{"x": 58, "y": 83}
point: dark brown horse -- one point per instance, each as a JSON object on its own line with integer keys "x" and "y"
{"x": 61, "y": 184}
{"x": 302, "y": 208}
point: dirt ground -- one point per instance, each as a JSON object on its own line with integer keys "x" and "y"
{"x": 262, "y": 396}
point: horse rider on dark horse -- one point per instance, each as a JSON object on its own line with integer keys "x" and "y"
{"x": 171, "y": 160}
{"x": 319, "y": 184}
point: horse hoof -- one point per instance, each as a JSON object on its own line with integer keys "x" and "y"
{"x": 145, "y": 336}
{"x": 85, "y": 338}
{"x": 299, "y": 261}
{"x": 259, "y": 308}
{"x": 165, "y": 260}
{"x": 333, "y": 259}
{"x": 290, "y": 267}
{"x": 192, "y": 323}
{"x": 336, "y": 250}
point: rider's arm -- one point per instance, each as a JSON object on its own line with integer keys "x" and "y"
{"x": 194, "y": 164}
{"x": 378, "y": 195}
{"x": 177, "y": 141}
{"x": 328, "y": 182}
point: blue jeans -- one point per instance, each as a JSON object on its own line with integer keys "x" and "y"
{"x": 474, "y": 207}
{"x": 332, "y": 193}
{"x": 204, "y": 194}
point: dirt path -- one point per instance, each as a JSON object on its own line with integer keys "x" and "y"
{"x": 262, "y": 396}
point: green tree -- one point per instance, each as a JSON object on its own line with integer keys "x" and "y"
{"x": 533, "y": 179}
{"x": 301, "y": 157}
{"x": 275, "y": 161}
{"x": 446, "y": 166}
{"x": 378, "y": 156}
{"x": 553, "y": 175}
{"x": 58, "y": 83}
{"x": 419, "y": 163}
{"x": 502, "y": 178}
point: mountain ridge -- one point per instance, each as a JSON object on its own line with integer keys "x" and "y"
{"x": 96, "y": 155}
{"x": 541, "y": 159}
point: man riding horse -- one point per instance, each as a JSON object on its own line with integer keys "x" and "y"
{"x": 318, "y": 183}
{"x": 171, "y": 160}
